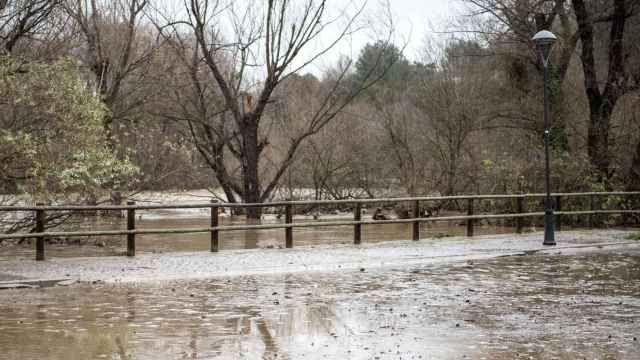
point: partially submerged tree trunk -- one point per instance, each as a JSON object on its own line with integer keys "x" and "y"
{"x": 252, "y": 190}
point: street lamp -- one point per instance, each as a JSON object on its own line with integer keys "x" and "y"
{"x": 544, "y": 42}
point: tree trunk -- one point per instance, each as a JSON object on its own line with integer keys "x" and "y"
{"x": 250, "y": 162}
{"x": 598, "y": 140}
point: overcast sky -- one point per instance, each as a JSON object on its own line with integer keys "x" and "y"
{"x": 419, "y": 18}
{"x": 414, "y": 21}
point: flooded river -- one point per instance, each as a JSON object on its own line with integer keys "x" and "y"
{"x": 198, "y": 218}
{"x": 250, "y": 239}
{"x": 533, "y": 307}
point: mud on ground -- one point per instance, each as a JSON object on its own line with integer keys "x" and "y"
{"x": 565, "y": 303}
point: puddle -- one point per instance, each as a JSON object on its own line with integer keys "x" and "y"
{"x": 536, "y": 306}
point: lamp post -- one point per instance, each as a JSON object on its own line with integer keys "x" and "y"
{"x": 544, "y": 42}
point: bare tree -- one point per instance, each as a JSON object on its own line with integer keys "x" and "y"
{"x": 22, "y": 19}
{"x": 453, "y": 104}
{"x": 115, "y": 51}
{"x": 400, "y": 121}
{"x": 195, "y": 102}
{"x": 272, "y": 43}
{"x": 118, "y": 52}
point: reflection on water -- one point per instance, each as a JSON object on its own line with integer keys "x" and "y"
{"x": 538, "y": 306}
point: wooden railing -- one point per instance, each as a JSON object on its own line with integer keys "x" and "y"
{"x": 215, "y": 228}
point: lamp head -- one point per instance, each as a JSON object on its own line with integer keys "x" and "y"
{"x": 544, "y": 41}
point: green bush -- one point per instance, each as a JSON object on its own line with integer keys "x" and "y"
{"x": 52, "y": 133}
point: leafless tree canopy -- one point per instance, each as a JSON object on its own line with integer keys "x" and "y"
{"x": 273, "y": 41}
{"x": 23, "y": 20}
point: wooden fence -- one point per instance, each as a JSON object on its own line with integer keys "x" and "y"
{"x": 214, "y": 229}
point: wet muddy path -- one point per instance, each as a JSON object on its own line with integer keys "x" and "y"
{"x": 533, "y": 306}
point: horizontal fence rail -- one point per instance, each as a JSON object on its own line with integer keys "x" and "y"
{"x": 300, "y": 203}
{"x": 40, "y": 210}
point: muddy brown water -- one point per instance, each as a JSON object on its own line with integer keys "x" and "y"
{"x": 250, "y": 239}
{"x": 531, "y": 307}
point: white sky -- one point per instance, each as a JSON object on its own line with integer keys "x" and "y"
{"x": 419, "y": 18}
{"x": 414, "y": 21}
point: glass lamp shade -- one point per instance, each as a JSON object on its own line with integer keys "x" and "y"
{"x": 544, "y": 41}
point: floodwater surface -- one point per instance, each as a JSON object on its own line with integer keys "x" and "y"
{"x": 533, "y": 307}
{"x": 237, "y": 239}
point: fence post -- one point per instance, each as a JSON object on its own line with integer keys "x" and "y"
{"x": 40, "y": 220}
{"x": 131, "y": 225}
{"x": 214, "y": 224}
{"x": 357, "y": 228}
{"x": 470, "y": 221}
{"x": 519, "y": 210}
{"x": 416, "y": 224}
{"x": 288, "y": 231}
{"x": 558, "y": 208}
